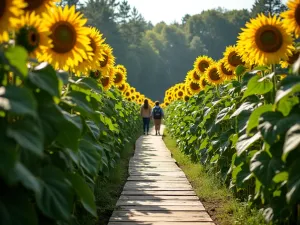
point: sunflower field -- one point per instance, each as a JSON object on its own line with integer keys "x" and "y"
{"x": 66, "y": 112}
{"x": 240, "y": 116}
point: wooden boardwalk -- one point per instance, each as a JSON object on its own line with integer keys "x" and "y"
{"x": 157, "y": 191}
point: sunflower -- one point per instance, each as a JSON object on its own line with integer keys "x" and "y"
{"x": 231, "y": 58}
{"x": 264, "y": 41}
{"x": 123, "y": 68}
{"x": 123, "y": 87}
{"x": 180, "y": 94}
{"x": 202, "y": 63}
{"x": 212, "y": 75}
{"x": 193, "y": 87}
{"x": 194, "y": 75}
{"x": 120, "y": 77}
{"x": 32, "y": 35}
{"x": 108, "y": 60}
{"x": 203, "y": 82}
{"x": 132, "y": 90}
{"x": 291, "y": 17}
{"x": 69, "y": 38}
{"x": 291, "y": 60}
{"x": 92, "y": 62}
{"x": 39, "y": 6}
{"x": 186, "y": 97}
{"x": 106, "y": 82}
{"x": 224, "y": 73}
{"x": 9, "y": 11}
{"x": 127, "y": 93}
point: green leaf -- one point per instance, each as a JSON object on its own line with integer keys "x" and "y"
{"x": 89, "y": 84}
{"x": 84, "y": 192}
{"x": 16, "y": 208}
{"x": 27, "y": 133}
{"x": 80, "y": 103}
{"x": 246, "y": 106}
{"x": 90, "y": 160}
{"x": 254, "y": 118}
{"x": 281, "y": 177}
{"x": 292, "y": 140}
{"x": 63, "y": 76}
{"x": 267, "y": 122}
{"x": 293, "y": 183}
{"x": 258, "y": 86}
{"x": 17, "y": 58}
{"x": 17, "y": 100}
{"x": 286, "y": 104}
{"x": 70, "y": 132}
{"x": 264, "y": 167}
{"x": 245, "y": 142}
{"x": 94, "y": 129}
{"x": 56, "y": 198}
{"x": 45, "y": 78}
{"x": 239, "y": 70}
{"x": 288, "y": 86}
{"x": 223, "y": 114}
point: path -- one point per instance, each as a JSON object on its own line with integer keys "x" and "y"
{"x": 157, "y": 191}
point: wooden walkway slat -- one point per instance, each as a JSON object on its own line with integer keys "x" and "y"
{"x": 157, "y": 192}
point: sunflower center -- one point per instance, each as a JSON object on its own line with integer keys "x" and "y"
{"x": 234, "y": 59}
{"x": 93, "y": 45}
{"x": 104, "y": 62}
{"x": 34, "y": 4}
{"x": 186, "y": 98}
{"x": 268, "y": 39}
{"x": 196, "y": 76}
{"x": 297, "y": 14}
{"x": 28, "y": 37}
{"x": 105, "y": 81}
{"x": 63, "y": 37}
{"x": 122, "y": 87}
{"x": 127, "y": 94}
{"x": 203, "y": 66}
{"x": 293, "y": 58}
{"x": 225, "y": 71}
{"x": 213, "y": 74}
{"x": 2, "y": 8}
{"x": 204, "y": 83}
{"x": 195, "y": 86}
{"x": 180, "y": 93}
{"x": 118, "y": 78}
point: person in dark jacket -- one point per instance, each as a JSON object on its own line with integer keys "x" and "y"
{"x": 157, "y": 114}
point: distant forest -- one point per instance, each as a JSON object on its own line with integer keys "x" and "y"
{"x": 159, "y": 56}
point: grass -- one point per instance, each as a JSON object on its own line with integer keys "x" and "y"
{"x": 217, "y": 199}
{"x": 107, "y": 191}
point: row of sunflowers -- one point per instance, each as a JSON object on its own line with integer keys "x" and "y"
{"x": 67, "y": 113}
{"x": 59, "y": 37}
{"x": 266, "y": 40}
{"x": 240, "y": 116}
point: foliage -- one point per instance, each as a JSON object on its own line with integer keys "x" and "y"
{"x": 58, "y": 134}
{"x": 247, "y": 132}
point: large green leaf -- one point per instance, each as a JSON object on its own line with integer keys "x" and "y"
{"x": 288, "y": 86}
{"x": 17, "y": 58}
{"x": 90, "y": 159}
{"x": 94, "y": 129}
{"x": 71, "y": 128}
{"x": 245, "y": 142}
{"x": 292, "y": 140}
{"x": 16, "y": 208}
{"x": 246, "y": 106}
{"x": 27, "y": 133}
{"x": 8, "y": 155}
{"x": 293, "y": 183}
{"x": 56, "y": 197}
{"x": 258, "y": 86}
{"x": 265, "y": 167}
{"x": 17, "y": 100}
{"x": 254, "y": 118}
{"x": 88, "y": 84}
{"x": 45, "y": 78}
{"x": 267, "y": 122}
{"x": 84, "y": 192}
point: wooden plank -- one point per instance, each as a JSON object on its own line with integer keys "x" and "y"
{"x": 154, "y": 197}
{"x": 158, "y": 202}
{"x": 166, "y": 218}
{"x": 181, "y": 213}
{"x": 156, "y": 178}
{"x": 161, "y": 223}
{"x": 157, "y": 188}
{"x": 161, "y": 208}
{"x": 158, "y": 193}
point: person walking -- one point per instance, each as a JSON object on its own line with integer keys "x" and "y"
{"x": 146, "y": 115}
{"x": 157, "y": 114}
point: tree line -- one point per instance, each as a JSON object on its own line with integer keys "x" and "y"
{"x": 158, "y": 56}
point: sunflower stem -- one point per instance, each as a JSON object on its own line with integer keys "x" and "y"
{"x": 274, "y": 82}
{"x": 217, "y": 90}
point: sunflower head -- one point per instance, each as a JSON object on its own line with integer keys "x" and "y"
{"x": 225, "y": 73}
{"x": 123, "y": 68}
{"x": 70, "y": 41}
{"x": 31, "y": 35}
{"x": 95, "y": 74}
{"x": 10, "y": 10}
{"x": 231, "y": 58}
{"x": 264, "y": 41}
{"x": 202, "y": 63}
{"x": 193, "y": 87}
{"x": 291, "y": 18}
{"x": 212, "y": 75}
{"x": 39, "y": 6}
{"x": 108, "y": 60}
{"x": 119, "y": 77}
{"x": 203, "y": 82}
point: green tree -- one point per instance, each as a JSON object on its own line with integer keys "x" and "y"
{"x": 272, "y": 7}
